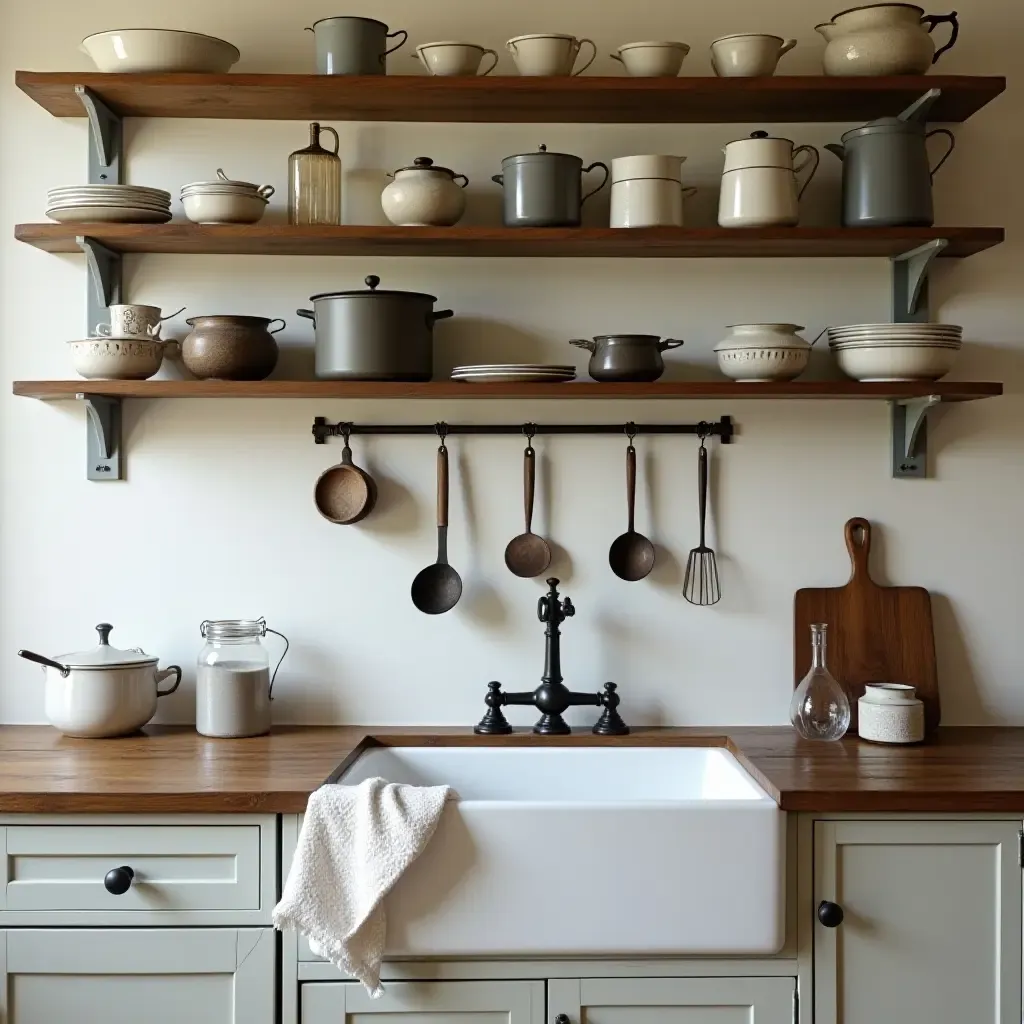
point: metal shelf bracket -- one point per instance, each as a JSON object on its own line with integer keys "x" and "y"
{"x": 106, "y": 139}
{"x": 910, "y": 282}
{"x": 104, "y": 285}
{"x": 910, "y": 436}
{"x": 103, "y": 437}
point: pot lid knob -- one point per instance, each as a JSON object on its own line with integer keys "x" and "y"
{"x": 759, "y": 135}
{"x": 423, "y": 161}
{"x": 372, "y": 281}
{"x": 542, "y": 148}
{"x": 104, "y": 629}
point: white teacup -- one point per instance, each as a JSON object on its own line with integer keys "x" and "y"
{"x": 541, "y": 54}
{"x": 651, "y": 60}
{"x": 451, "y": 59}
{"x": 748, "y": 55}
{"x": 134, "y": 321}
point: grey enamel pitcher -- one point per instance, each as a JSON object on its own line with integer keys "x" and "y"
{"x": 353, "y": 46}
{"x": 887, "y": 176}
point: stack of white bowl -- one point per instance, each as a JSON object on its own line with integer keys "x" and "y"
{"x": 225, "y": 201}
{"x": 124, "y": 204}
{"x": 894, "y": 352}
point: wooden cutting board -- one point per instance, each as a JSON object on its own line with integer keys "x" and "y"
{"x": 875, "y": 634}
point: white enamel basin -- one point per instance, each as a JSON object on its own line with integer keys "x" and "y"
{"x": 586, "y": 851}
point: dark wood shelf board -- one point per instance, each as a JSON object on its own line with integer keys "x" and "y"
{"x": 366, "y": 240}
{"x": 948, "y": 391}
{"x": 510, "y": 98}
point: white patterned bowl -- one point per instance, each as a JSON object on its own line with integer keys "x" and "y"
{"x": 758, "y": 365}
{"x": 116, "y": 358}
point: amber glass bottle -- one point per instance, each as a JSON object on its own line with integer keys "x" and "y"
{"x": 314, "y": 181}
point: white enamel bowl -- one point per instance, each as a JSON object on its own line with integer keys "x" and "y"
{"x": 894, "y": 362}
{"x": 133, "y": 50}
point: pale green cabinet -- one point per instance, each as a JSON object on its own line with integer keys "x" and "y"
{"x": 931, "y": 930}
{"x": 427, "y": 1002}
{"x": 673, "y": 1000}
{"x": 129, "y": 976}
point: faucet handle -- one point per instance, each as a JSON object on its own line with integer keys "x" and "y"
{"x": 567, "y": 609}
{"x": 494, "y": 723}
{"x": 610, "y": 723}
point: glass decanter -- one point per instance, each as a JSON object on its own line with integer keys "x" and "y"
{"x": 820, "y": 710}
{"x": 314, "y": 181}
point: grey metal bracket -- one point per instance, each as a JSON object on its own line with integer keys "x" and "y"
{"x": 910, "y": 436}
{"x": 103, "y": 437}
{"x": 910, "y": 282}
{"x": 104, "y": 286}
{"x": 106, "y": 139}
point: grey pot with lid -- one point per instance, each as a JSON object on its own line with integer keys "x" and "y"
{"x": 626, "y": 357}
{"x": 371, "y": 334}
{"x": 545, "y": 190}
{"x": 887, "y": 173}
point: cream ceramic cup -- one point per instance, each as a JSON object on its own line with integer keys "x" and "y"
{"x": 651, "y": 60}
{"x": 541, "y": 54}
{"x": 749, "y": 55}
{"x": 449, "y": 59}
{"x": 133, "y": 321}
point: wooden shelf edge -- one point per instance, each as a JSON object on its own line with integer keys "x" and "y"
{"x": 947, "y": 391}
{"x": 510, "y": 98}
{"x": 487, "y": 241}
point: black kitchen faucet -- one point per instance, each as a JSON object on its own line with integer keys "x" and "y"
{"x": 552, "y": 697}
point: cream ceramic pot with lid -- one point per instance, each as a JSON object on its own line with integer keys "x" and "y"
{"x": 424, "y": 195}
{"x": 647, "y": 191}
{"x": 103, "y": 691}
{"x": 759, "y": 181}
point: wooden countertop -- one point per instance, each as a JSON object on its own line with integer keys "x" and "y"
{"x": 174, "y": 770}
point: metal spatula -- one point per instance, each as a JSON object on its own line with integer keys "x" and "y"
{"x": 700, "y": 584}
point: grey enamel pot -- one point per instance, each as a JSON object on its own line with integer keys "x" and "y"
{"x": 626, "y": 357}
{"x": 353, "y": 46}
{"x": 544, "y": 190}
{"x": 374, "y": 335}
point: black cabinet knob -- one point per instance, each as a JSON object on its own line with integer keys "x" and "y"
{"x": 117, "y": 881}
{"x": 830, "y": 914}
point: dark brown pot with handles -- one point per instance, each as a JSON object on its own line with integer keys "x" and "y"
{"x": 626, "y": 357}
{"x": 230, "y": 347}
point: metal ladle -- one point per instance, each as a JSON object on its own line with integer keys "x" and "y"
{"x": 528, "y": 555}
{"x": 631, "y": 555}
{"x": 438, "y": 587}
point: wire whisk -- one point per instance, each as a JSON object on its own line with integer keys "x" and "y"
{"x": 700, "y": 584}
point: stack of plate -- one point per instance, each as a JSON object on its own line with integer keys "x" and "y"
{"x": 521, "y": 373}
{"x": 126, "y": 204}
{"x": 891, "y": 352}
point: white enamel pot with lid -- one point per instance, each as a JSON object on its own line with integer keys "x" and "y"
{"x": 103, "y": 691}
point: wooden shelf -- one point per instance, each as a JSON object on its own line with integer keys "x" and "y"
{"x": 509, "y": 98}
{"x": 364, "y": 240}
{"x": 948, "y": 391}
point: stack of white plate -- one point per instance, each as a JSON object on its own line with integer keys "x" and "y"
{"x": 893, "y": 352}
{"x": 125, "y": 204}
{"x": 519, "y": 373}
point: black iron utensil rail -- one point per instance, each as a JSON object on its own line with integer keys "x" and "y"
{"x": 722, "y": 428}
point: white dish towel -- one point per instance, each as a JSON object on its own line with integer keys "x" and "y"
{"x": 354, "y": 845}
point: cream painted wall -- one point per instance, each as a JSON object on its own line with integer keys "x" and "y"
{"x": 216, "y": 519}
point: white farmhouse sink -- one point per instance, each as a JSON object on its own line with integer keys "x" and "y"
{"x": 586, "y": 851}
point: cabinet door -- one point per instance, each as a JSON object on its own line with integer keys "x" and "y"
{"x": 125, "y": 976}
{"x": 932, "y": 922}
{"x": 673, "y": 1000}
{"x": 428, "y": 1002}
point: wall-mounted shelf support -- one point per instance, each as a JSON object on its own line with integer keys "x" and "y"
{"x": 103, "y": 437}
{"x": 910, "y": 436}
{"x": 910, "y": 282}
{"x": 104, "y": 284}
{"x": 721, "y": 428}
{"x": 106, "y": 139}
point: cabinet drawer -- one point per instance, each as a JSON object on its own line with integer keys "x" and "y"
{"x": 184, "y": 872}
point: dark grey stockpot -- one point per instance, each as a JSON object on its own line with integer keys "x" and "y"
{"x": 543, "y": 190}
{"x": 374, "y": 335}
{"x": 887, "y": 179}
{"x": 626, "y": 357}
{"x": 353, "y": 46}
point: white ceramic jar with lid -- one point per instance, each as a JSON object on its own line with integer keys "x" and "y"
{"x": 759, "y": 181}
{"x": 890, "y": 713}
{"x": 763, "y": 352}
{"x": 424, "y": 195}
{"x": 647, "y": 191}
{"x": 234, "y": 685}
